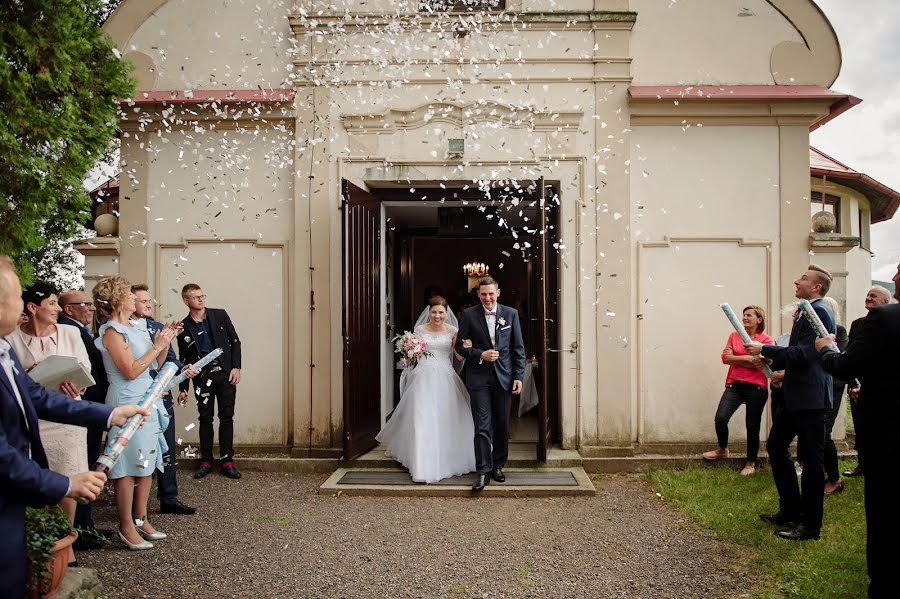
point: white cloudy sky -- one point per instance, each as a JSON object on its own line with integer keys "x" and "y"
{"x": 866, "y": 137}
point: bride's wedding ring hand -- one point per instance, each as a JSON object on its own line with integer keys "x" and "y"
{"x": 467, "y": 343}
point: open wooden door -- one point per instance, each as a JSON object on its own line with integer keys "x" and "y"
{"x": 545, "y": 428}
{"x": 362, "y": 322}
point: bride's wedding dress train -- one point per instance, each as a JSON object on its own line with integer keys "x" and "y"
{"x": 431, "y": 431}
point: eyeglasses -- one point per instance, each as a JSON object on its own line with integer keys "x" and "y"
{"x": 82, "y": 304}
{"x": 195, "y": 297}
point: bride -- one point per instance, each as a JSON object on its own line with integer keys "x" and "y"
{"x": 431, "y": 431}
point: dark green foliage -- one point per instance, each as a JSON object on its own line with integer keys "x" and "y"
{"x": 59, "y": 85}
{"x": 43, "y": 528}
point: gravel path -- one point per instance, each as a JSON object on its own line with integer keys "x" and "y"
{"x": 270, "y": 535}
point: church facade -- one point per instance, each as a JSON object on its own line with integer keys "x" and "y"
{"x": 622, "y": 167}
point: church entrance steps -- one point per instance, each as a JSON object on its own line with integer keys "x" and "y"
{"x": 520, "y": 482}
{"x": 521, "y": 455}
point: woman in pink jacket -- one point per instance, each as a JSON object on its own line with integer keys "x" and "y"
{"x": 746, "y": 384}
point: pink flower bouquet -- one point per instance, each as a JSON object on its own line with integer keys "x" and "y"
{"x": 410, "y": 347}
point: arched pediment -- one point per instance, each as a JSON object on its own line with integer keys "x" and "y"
{"x": 461, "y": 115}
{"x": 816, "y": 60}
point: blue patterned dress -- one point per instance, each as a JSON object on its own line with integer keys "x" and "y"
{"x": 145, "y": 450}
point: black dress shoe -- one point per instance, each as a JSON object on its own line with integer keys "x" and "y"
{"x": 778, "y": 519}
{"x": 229, "y": 470}
{"x": 175, "y": 507}
{"x": 497, "y": 475}
{"x": 204, "y": 469}
{"x": 89, "y": 540}
{"x": 480, "y": 482}
{"x": 855, "y": 472}
{"x": 798, "y": 533}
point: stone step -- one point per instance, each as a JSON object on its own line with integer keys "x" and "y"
{"x": 520, "y": 482}
{"x": 519, "y": 458}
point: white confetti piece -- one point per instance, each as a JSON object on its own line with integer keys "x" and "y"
{"x": 189, "y": 427}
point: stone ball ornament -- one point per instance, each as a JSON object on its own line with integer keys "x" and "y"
{"x": 106, "y": 225}
{"x": 824, "y": 222}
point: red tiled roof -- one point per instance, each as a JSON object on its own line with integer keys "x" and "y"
{"x": 883, "y": 200}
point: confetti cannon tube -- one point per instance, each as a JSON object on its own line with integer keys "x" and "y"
{"x": 153, "y": 393}
{"x": 198, "y": 366}
{"x": 813, "y": 319}
{"x": 739, "y": 328}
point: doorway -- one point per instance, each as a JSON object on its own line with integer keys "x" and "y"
{"x": 422, "y": 244}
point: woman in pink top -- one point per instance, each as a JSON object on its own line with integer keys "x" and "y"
{"x": 744, "y": 384}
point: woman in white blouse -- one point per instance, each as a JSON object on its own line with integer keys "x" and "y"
{"x": 33, "y": 341}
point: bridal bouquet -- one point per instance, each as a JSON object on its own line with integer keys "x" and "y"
{"x": 410, "y": 347}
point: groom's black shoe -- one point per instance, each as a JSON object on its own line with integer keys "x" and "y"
{"x": 497, "y": 475}
{"x": 480, "y": 482}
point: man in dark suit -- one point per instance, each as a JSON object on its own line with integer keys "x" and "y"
{"x": 24, "y": 477}
{"x": 872, "y": 358}
{"x": 876, "y": 296}
{"x": 166, "y": 481}
{"x": 807, "y": 397}
{"x": 494, "y": 368}
{"x": 204, "y": 330}
{"x": 78, "y": 311}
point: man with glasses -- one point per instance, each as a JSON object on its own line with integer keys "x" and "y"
{"x": 78, "y": 311}
{"x": 166, "y": 483}
{"x": 204, "y": 330}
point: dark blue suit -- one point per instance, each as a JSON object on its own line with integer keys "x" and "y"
{"x": 96, "y": 393}
{"x": 26, "y": 481}
{"x": 807, "y": 397}
{"x": 166, "y": 483}
{"x": 490, "y": 383}
{"x": 872, "y": 358}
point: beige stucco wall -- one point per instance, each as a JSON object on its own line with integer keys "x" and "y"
{"x": 707, "y": 228}
{"x": 674, "y": 42}
{"x": 658, "y": 211}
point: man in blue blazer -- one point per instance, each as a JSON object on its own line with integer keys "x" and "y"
{"x": 24, "y": 477}
{"x": 494, "y": 369}
{"x": 166, "y": 481}
{"x": 807, "y": 397}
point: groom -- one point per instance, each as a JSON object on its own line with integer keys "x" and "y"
{"x": 494, "y": 368}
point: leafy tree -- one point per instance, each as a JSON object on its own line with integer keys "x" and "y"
{"x": 60, "y": 79}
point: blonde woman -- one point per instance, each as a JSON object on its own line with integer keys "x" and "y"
{"x": 128, "y": 354}
{"x": 37, "y": 338}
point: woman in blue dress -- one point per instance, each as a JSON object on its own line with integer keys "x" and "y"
{"x": 128, "y": 354}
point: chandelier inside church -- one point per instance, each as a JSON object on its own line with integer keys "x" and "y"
{"x": 476, "y": 269}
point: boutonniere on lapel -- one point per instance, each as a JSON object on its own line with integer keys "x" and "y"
{"x": 501, "y": 322}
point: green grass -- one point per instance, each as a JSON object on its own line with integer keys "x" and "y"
{"x": 722, "y": 500}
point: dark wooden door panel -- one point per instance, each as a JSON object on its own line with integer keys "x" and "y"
{"x": 545, "y": 429}
{"x": 362, "y": 320}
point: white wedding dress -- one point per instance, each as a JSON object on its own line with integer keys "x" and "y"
{"x": 431, "y": 430}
